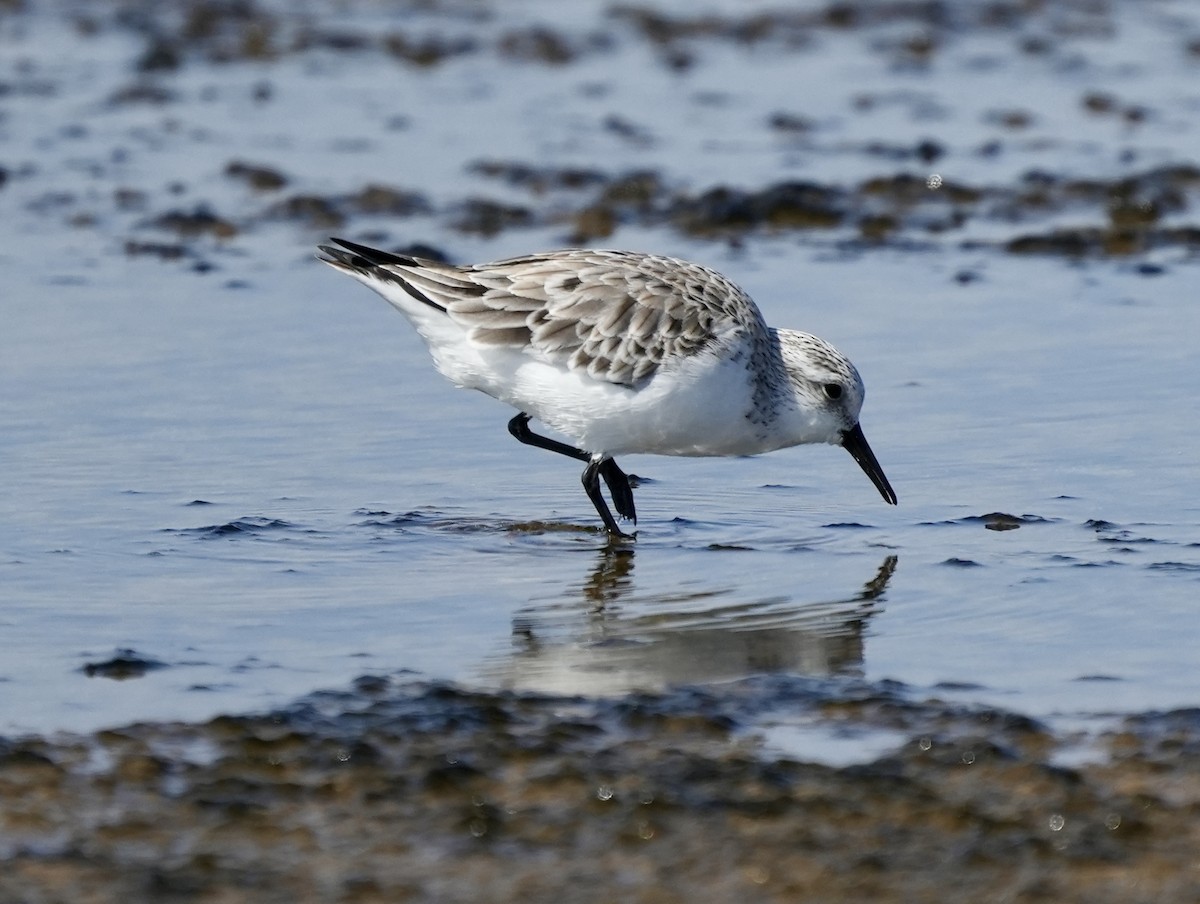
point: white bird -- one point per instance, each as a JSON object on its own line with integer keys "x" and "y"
{"x": 623, "y": 352}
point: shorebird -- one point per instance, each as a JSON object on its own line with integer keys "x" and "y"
{"x": 623, "y": 352}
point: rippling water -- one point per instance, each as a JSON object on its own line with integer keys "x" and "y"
{"x": 243, "y": 467}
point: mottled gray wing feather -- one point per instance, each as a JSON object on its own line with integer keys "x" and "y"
{"x": 615, "y": 315}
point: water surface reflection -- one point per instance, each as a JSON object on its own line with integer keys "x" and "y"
{"x": 611, "y": 639}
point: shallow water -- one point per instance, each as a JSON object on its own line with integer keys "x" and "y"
{"x": 233, "y": 462}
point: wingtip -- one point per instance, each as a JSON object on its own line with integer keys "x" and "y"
{"x": 353, "y": 256}
{"x": 366, "y": 256}
{"x": 346, "y": 244}
{"x": 335, "y": 257}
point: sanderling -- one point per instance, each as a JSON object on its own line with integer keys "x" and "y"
{"x": 623, "y": 352}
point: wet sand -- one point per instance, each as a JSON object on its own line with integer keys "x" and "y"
{"x": 398, "y": 791}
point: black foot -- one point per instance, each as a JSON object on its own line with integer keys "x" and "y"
{"x": 619, "y": 486}
{"x": 591, "y": 486}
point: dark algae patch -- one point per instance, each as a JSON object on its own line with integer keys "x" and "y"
{"x": 900, "y": 209}
{"x": 416, "y": 792}
{"x": 123, "y": 665}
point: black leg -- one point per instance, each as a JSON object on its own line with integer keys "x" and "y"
{"x": 519, "y": 427}
{"x": 591, "y": 486}
{"x": 616, "y": 479}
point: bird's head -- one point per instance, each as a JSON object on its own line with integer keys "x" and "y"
{"x": 829, "y": 394}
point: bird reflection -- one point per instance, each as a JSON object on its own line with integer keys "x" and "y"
{"x": 620, "y": 640}
{"x": 610, "y": 578}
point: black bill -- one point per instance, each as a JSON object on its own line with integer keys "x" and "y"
{"x": 855, "y": 443}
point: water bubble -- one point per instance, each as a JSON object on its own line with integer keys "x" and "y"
{"x": 758, "y": 875}
{"x": 1057, "y": 821}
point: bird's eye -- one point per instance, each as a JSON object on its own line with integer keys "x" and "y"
{"x": 833, "y": 391}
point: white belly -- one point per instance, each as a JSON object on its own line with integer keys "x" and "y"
{"x": 698, "y": 407}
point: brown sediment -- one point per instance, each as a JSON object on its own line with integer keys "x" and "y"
{"x": 1118, "y": 218}
{"x": 434, "y": 793}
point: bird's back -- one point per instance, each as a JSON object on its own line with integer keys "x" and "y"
{"x": 614, "y": 316}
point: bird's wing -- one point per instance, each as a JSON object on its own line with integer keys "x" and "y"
{"x": 618, "y": 316}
